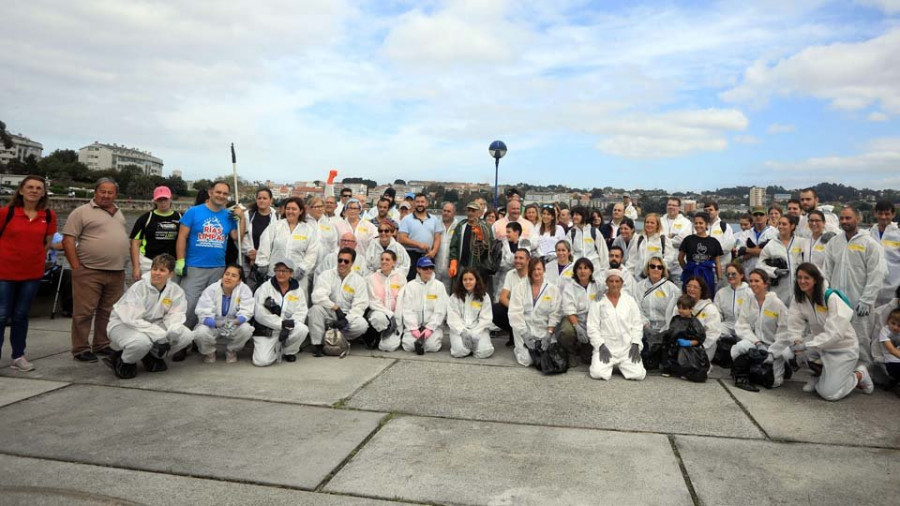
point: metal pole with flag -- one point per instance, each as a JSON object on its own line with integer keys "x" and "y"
{"x": 237, "y": 202}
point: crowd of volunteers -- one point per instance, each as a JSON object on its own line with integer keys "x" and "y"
{"x": 799, "y": 288}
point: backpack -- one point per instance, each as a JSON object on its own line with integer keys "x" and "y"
{"x": 593, "y": 234}
{"x": 662, "y": 241}
{"x": 839, "y": 293}
{"x": 10, "y": 211}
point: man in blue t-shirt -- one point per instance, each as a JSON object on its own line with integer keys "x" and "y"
{"x": 201, "y": 245}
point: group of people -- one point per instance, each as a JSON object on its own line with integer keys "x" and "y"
{"x": 676, "y": 295}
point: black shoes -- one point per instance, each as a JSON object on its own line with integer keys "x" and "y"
{"x": 319, "y": 350}
{"x": 121, "y": 369}
{"x": 743, "y": 383}
{"x": 153, "y": 364}
{"x": 289, "y": 358}
{"x": 104, "y": 352}
{"x": 85, "y": 356}
{"x": 420, "y": 346}
{"x": 179, "y": 356}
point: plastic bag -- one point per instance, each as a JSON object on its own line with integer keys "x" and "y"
{"x": 693, "y": 364}
{"x": 549, "y": 358}
{"x": 335, "y": 344}
{"x": 652, "y": 354}
{"x": 722, "y": 357}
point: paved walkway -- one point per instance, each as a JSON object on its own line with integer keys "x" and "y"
{"x": 425, "y": 430}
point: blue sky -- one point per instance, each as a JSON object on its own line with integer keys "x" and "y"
{"x": 683, "y": 96}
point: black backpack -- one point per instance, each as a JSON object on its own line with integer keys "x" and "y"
{"x": 662, "y": 241}
{"x": 10, "y": 211}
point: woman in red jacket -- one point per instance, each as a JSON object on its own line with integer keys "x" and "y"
{"x": 26, "y": 228}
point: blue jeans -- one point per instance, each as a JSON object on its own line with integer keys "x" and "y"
{"x": 15, "y": 302}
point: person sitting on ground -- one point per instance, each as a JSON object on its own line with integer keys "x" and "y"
{"x": 578, "y": 295}
{"x": 731, "y": 298}
{"x": 685, "y": 331}
{"x": 148, "y": 322}
{"x": 534, "y": 311}
{"x": 761, "y": 325}
{"x": 281, "y": 311}
{"x": 519, "y": 274}
{"x": 224, "y": 310}
{"x": 424, "y": 310}
{"x": 889, "y": 339}
{"x": 509, "y": 244}
{"x": 706, "y": 312}
{"x": 879, "y": 319}
{"x": 656, "y": 295}
{"x": 819, "y": 326}
{"x": 385, "y": 288}
{"x": 469, "y": 317}
{"x": 339, "y": 300}
{"x": 614, "y": 328}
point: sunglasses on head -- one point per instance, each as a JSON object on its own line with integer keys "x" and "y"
{"x": 343, "y": 261}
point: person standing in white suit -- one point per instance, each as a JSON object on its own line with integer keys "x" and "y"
{"x": 293, "y": 237}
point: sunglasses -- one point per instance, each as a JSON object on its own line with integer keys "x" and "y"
{"x": 731, "y": 275}
{"x": 343, "y": 261}
{"x": 759, "y": 214}
{"x": 655, "y": 267}
{"x": 384, "y": 231}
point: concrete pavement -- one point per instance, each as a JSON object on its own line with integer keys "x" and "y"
{"x": 396, "y": 427}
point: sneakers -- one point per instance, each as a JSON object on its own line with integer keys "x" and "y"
{"x": 319, "y": 350}
{"x": 85, "y": 356}
{"x": 289, "y": 358}
{"x": 209, "y": 358}
{"x": 420, "y": 346}
{"x": 22, "y": 365}
{"x": 810, "y": 385}
{"x": 743, "y": 383}
{"x": 230, "y": 357}
{"x": 865, "y": 382}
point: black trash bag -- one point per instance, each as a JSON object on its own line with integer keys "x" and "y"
{"x": 693, "y": 364}
{"x": 778, "y": 263}
{"x": 761, "y": 373}
{"x": 722, "y": 357}
{"x": 652, "y": 354}
{"x": 550, "y": 358}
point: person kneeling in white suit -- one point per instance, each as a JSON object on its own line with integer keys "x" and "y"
{"x": 385, "y": 288}
{"x": 340, "y": 299}
{"x": 469, "y": 317}
{"x": 424, "y": 310}
{"x": 148, "y": 321}
{"x": 281, "y": 309}
{"x": 615, "y": 330}
{"x": 224, "y": 310}
{"x": 534, "y": 311}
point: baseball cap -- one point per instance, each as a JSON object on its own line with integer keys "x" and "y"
{"x": 758, "y": 209}
{"x": 287, "y": 262}
{"x": 425, "y": 262}
{"x": 162, "y": 192}
{"x": 473, "y": 205}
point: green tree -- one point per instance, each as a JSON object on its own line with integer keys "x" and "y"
{"x": 176, "y": 184}
{"x": 400, "y": 182}
{"x": 63, "y": 165}
{"x": 451, "y": 196}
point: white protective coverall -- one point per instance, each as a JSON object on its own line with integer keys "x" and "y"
{"x": 890, "y": 243}
{"x": 729, "y": 303}
{"x": 300, "y": 244}
{"x": 656, "y": 301}
{"x": 857, "y": 268}
{"x": 675, "y": 230}
{"x": 474, "y": 317}
{"x": 830, "y": 338}
{"x": 385, "y": 294}
{"x": 725, "y": 238}
{"x": 268, "y": 349}
{"x": 530, "y": 317}
{"x": 815, "y": 252}
{"x": 373, "y": 257}
{"x": 628, "y": 253}
{"x": 144, "y": 316}
{"x": 618, "y": 327}
{"x": 507, "y": 256}
{"x": 709, "y": 316}
{"x": 328, "y": 238}
{"x": 832, "y": 224}
{"x": 350, "y": 293}
{"x": 756, "y": 238}
{"x": 329, "y": 263}
{"x": 554, "y": 276}
{"x": 878, "y": 319}
{"x": 365, "y": 232}
{"x": 210, "y": 306}
{"x": 648, "y": 247}
{"x": 794, "y": 253}
{"x": 589, "y": 243}
{"x": 767, "y": 324}
{"x": 442, "y": 260}
{"x": 424, "y": 304}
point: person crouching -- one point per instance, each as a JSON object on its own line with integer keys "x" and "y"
{"x": 224, "y": 310}
{"x": 148, "y": 322}
{"x": 683, "y": 353}
{"x": 281, "y": 310}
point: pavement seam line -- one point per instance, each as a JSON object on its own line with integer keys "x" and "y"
{"x": 684, "y": 472}
{"x": 328, "y": 477}
{"x": 745, "y": 410}
{"x": 37, "y": 395}
{"x": 340, "y": 404}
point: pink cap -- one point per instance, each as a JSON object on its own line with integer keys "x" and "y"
{"x": 162, "y": 192}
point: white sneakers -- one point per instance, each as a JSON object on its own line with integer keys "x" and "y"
{"x": 22, "y": 365}
{"x": 230, "y": 357}
{"x": 810, "y": 385}
{"x": 865, "y": 382}
{"x": 209, "y": 358}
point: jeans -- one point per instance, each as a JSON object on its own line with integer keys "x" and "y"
{"x": 15, "y": 302}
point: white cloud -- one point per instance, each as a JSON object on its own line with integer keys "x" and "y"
{"x": 746, "y": 139}
{"x": 876, "y": 165}
{"x": 778, "y": 128}
{"x": 888, "y": 6}
{"x": 850, "y": 76}
{"x": 877, "y": 116}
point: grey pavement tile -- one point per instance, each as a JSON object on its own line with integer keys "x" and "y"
{"x": 318, "y": 381}
{"x": 44, "y": 482}
{"x": 571, "y": 400}
{"x": 790, "y": 414}
{"x": 502, "y": 356}
{"x": 59, "y": 324}
{"x": 466, "y": 462}
{"x": 236, "y": 439}
{"x": 38, "y": 344}
{"x": 16, "y": 389}
{"x": 731, "y": 471}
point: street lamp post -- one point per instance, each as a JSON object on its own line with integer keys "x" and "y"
{"x": 497, "y": 149}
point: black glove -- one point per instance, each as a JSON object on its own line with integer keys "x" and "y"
{"x": 271, "y": 306}
{"x": 634, "y": 353}
{"x": 286, "y": 327}
{"x": 340, "y": 320}
{"x": 392, "y": 326}
{"x": 827, "y": 237}
{"x": 159, "y": 350}
{"x": 742, "y": 251}
{"x": 605, "y": 355}
{"x": 287, "y": 324}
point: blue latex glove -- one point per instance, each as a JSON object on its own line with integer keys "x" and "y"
{"x": 241, "y": 320}
{"x": 684, "y": 343}
{"x": 210, "y": 322}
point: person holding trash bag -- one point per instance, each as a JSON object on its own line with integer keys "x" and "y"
{"x": 683, "y": 353}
